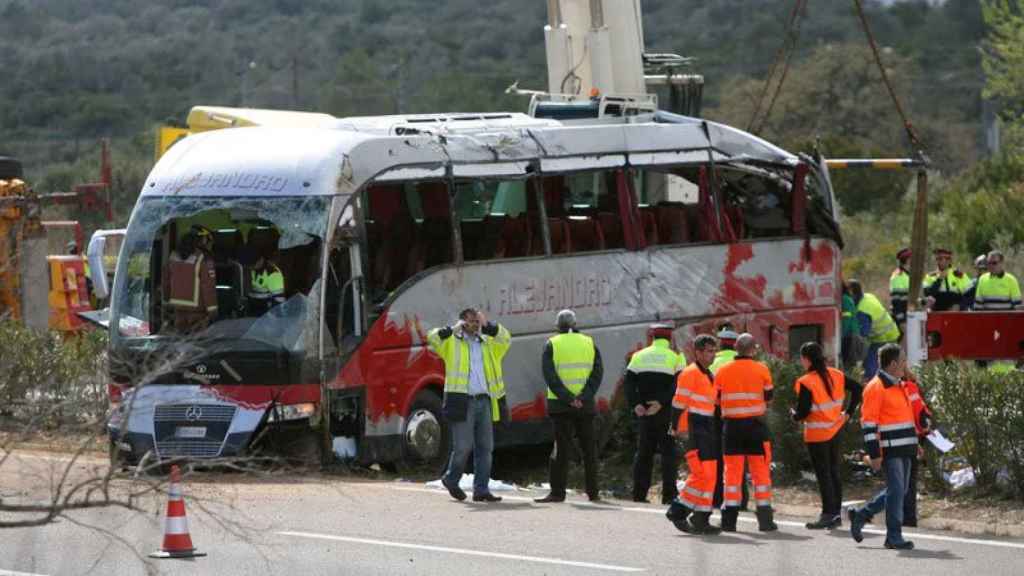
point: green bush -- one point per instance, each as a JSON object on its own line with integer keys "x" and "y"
{"x": 50, "y": 379}
{"x": 983, "y": 413}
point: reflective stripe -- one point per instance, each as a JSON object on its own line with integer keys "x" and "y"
{"x": 701, "y": 508}
{"x": 732, "y": 502}
{"x": 678, "y": 404}
{"x": 868, "y": 424}
{"x": 899, "y": 442}
{"x": 572, "y": 366}
{"x": 742, "y": 396}
{"x": 702, "y": 412}
{"x": 176, "y": 525}
{"x": 764, "y": 501}
{"x": 762, "y": 488}
{"x": 870, "y": 437}
{"x": 827, "y": 406}
{"x": 732, "y": 488}
{"x": 820, "y": 425}
{"x": 914, "y": 397}
{"x": 743, "y": 410}
{"x": 698, "y": 493}
{"x": 701, "y": 398}
{"x": 896, "y": 426}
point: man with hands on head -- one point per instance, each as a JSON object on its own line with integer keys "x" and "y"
{"x": 474, "y": 396}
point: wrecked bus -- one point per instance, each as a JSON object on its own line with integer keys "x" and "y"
{"x": 384, "y": 227}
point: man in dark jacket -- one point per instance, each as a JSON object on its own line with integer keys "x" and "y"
{"x": 572, "y": 370}
{"x": 649, "y": 385}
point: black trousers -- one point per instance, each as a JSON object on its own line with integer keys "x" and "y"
{"x": 652, "y": 434}
{"x": 566, "y": 426}
{"x": 826, "y": 461}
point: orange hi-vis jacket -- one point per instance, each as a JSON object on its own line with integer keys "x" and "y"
{"x": 826, "y": 416}
{"x": 887, "y": 419}
{"x": 742, "y": 385}
{"x": 695, "y": 394}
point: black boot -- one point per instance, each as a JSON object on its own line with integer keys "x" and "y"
{"x": 765, "y": 519}
{"x": 729, "y": 516}
{"x": 823, "y": 522}
{"x": 700, "y": 524}
{"x": 677, "y": 513}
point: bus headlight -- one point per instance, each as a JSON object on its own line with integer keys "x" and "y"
{"x": 283, "y": 412}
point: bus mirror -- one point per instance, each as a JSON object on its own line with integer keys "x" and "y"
{"x": 96, "y": 272}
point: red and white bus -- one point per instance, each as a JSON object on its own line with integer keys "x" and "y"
{"x": 385, "y": 227}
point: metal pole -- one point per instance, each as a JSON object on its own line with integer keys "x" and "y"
{"x": 918, "y": 240}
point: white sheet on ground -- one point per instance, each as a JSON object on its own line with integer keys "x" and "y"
{"x": 466, "y": 483}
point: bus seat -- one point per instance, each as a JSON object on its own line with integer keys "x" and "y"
{"x": 516, "y": 237}
{"x": 649, "y": 224}
{"x": 561, "y": 238}
{"x": 262, "y": 241}
{"x": 672, "y": 224}
{"x": 586, "y": 234}
{"x": 480, "y": 239}
{"x": 434, "y": 246}
{"x": 611, "y": 226}
{"x": 227, "y": 243}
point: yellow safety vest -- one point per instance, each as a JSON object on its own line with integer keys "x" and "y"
{"x": 573, "y": 355}
{"x": 454, "y": 351}
{"x": 883, "y": 327}
{"x": 997, "y": 292}
{"x": 657, "y": 357}
{"x": 722, "y": 357}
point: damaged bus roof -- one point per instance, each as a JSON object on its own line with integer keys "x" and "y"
{"x": 339, "y": 157}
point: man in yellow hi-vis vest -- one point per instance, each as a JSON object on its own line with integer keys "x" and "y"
{"x": 474, "y": 396}
{"x": 572, "y": 369}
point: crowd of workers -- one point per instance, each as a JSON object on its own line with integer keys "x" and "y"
{"x": 716, "y": 405}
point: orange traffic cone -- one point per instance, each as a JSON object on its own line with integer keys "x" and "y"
{"x": 177, "y": 542}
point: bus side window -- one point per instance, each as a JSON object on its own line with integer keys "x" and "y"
{"x": 669, "y": 205}
{"x": 391, "y": 231}
{"x": 495, "y": 219}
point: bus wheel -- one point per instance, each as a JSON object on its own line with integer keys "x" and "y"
{"x": 425, "y": 440}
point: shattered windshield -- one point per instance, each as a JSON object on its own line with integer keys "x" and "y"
{"x": 242, "y": 269}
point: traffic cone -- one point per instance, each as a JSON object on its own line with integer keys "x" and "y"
{"x": 177, "y": 542}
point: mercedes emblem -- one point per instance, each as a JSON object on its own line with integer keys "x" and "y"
{"x": 193, "y": 413}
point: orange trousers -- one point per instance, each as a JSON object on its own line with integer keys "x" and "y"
{"x": 760, "y": 472}
{"x": 699, "y": 490}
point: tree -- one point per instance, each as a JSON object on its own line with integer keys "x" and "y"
{"x": 1003, "y": 62}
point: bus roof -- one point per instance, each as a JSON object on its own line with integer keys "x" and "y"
{"x": 328, "y": 156}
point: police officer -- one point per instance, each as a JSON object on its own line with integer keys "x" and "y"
{"x": 899, "y": 288}
{"x": 944, "y": 288}
{"x": 572, "y": 369}
{"x": 695, "y": 408}
{"x": 649, "y": 384}
{"x": 980, "y": 267}
{"x": 727, "y": 347}
{"x": 745, "y": 387}
{"x": 266, "y": 284}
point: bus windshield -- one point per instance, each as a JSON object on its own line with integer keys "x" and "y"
{"x": 241, "y": 270}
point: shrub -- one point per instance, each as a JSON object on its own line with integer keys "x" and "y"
{"x": 983, "y": 413}
{"x": 49, "y": 378}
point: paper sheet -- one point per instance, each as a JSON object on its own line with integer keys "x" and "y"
{"x": 940, "y": 442}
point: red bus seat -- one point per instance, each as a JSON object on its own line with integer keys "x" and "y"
{"x": 611, "y": 226}
{"x": 673, "y": 227}
{"x": 649, "y": 224}
{"x": 586, "y": 234}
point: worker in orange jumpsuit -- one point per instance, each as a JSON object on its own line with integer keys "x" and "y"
{"x": 745, "y": 388}
{"x": 694, "y": 409}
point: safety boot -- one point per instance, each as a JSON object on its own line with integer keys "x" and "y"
{"x": 729, "y": 517}
{"x": 700, "y": 525}
{"x": 766, "y": 519}
{"x": 677, "y": 513}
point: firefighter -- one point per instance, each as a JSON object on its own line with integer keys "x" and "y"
{"x": 899, "y": 288}
{"x": 876, "y": 325}
{"x": 474, "y": 396}
{"x": 997, "y": 289}
{"x": 190, "y": 282}
{"x": 944, "y": 288}
{"x": 745, "y": 388}
{"x": 649, "y": 383}
{"x": 695, "y": 416}
{"x": 821, "y": 392}
{"x": 923, "y": 424}
{"x": 572, "y": 369}
{"x": 890, "y": 437}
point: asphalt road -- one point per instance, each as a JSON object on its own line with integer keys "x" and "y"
{"x": 319, "y": 525}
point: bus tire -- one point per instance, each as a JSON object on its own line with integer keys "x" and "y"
{"x": 425, "y": 437}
